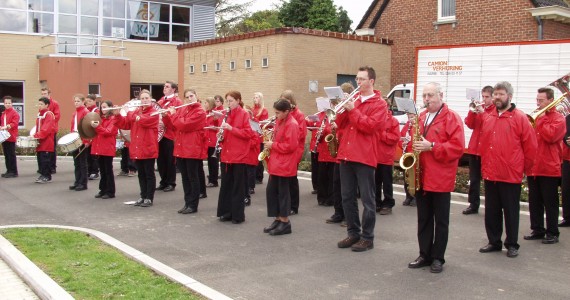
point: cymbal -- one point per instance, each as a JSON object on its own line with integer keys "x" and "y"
{"x": 85, "y": 124}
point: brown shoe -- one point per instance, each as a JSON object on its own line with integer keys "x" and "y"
{"x": 348, "y": 242}
{"x": 362, "y": 246}
{"x": 386, "y": 211}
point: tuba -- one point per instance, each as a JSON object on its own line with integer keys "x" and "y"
{"x": 410, "y": 162}
{"x": 562, "y": 104}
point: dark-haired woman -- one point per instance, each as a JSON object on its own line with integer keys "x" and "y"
{"x": 237, "y": 137}
{"x": 282, "y": 168}
{"x": 103, "y": 147}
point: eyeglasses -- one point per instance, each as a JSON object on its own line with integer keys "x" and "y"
{"x": 361, "y": 79}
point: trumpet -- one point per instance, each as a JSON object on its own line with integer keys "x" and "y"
{"x": 163, "y": 110}
{"x": 475, "y": 106}
{"x": 339, "y": 108}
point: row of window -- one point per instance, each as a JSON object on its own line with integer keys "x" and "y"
{"x": 232, "y": 66}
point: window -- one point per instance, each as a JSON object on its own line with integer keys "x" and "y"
{"x": 204, "y": 68}
{"x": 265, "y": 62}
{"x": 191, "y": 69}
{"x": 445, "y": 10}
{"x": 248, "y": 63}
{"x": 95, "y": 89}
{"x": 218, "y": 67}
{"x": 16, "y": 90}
{"x": 232, "y": 65}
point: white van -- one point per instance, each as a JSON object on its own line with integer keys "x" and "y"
{"x": 405, "y": 90}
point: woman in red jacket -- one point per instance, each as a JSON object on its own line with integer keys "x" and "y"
{"x": 210, "y": 138}
{"x": 237, "y": 136}
{"x": 188, "y": 123}
{"x": 103, "y": 147}
{"x": 282, "y": 168}
{"x": 260, "y": 113}
{"x": 9, "y": 122}
{"x": 144, "y": 145}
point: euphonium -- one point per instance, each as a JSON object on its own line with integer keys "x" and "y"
{"x": 267, "y": 137}
{"x": 410, "y": 162}
{"x": 332, "y": 142}
{"x": 560, "y": 103}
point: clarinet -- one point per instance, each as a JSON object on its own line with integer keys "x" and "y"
{"x": 220, "y": 135}
{"x": 319, "y": 133}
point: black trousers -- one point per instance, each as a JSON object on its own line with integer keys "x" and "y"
{"x": 147, "y": 179}
{"x": 566, "y": 190}
{"x": 92, "y": 163}
{"x": 230, "y": 201}
{"x": 107, "y": 180}
{"x": 294, "y": 191}
{"x": 474, "y": 194}
{"x": 325, "y": 183}
{"x": 202, "y": 178}
{"x": 384, "y": 179}
{"x": 80, "y": 165}
{"x": 213, "y": 166}
{"x": 543, "y": 197}
{"x": 336, "y": 195}
{"x": 259, "y": 169}
{"x": 433, "y": 223}
{"x": 189, "y": 170}
{"x": 315, "y": 170}
{"x": 53, "y": 155}
{"x": 44, "y": 163}
{"x": 126, "y": 163}
{"x": 166, "y": 163}
{"x": 278, "y": 196}
{"x": 250, "y": 177}
{"x": 502, "y": 198}
{"x": 9, "y": 149}
{"x": 353, "y": 175}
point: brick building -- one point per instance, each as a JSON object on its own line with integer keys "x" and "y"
{"x": 452, "y": 22}
{"x": 274, "y": 60}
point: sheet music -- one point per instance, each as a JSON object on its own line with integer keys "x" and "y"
{"x": 406, "y": 105}
{"x": 334, "y": 92}
{"x": 472, "y": 94}
{"x": 323, "y": 104}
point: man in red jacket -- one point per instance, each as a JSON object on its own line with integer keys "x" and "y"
{"x": 54, "y": 108}
{"x": 544, "y": 177}
{"x": 9, "y": 122}
{"x": 359, "y": 122}
{"x": 165, "y": 161}
{"x": 474, "y": 120}
{"x": 441, "y": 146}
{"x": 507, "y": 146}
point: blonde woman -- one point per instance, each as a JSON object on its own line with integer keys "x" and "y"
{"x": 260, "y": 113}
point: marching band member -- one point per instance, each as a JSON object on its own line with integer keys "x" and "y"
{"x": 387, "y": 141}
{"x": 45, "y": 130}
{"x": 324, "y": 165}
{"x": 507, "y": 146}
{"x": 259, "y": 114}
{"x": 188, "y": 123}
{"x": 544, "y": 177}
{"x": 361, "y": 119}
{"x": 474, "y": 121}
{"x": 300, "y": 118}
{"x": 237, "y": 136}
{"x": 406, "y": 133}
{"x": 565, "y": 184}
{"x": 79, "y": 155}
{"x": 54, "y": 108}
{"x": 282, "y": 167}
{"x": 210, "y": 134}
{"x": 9, "y": 121}
{"x": 144, "y": 145}
{"x": 103, "y": 150}
{"x": 441, "y": 146}
{"x": 92, "y": 161}
{"x": 165, "y": 162}
{"x": 252, "y": 162}
{"x": 315, "y": 121}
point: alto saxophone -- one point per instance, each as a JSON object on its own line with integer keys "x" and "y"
{"x": 267, "y": 137}
{"x": 410, "y": 162}
{"x": 332, "y": 142}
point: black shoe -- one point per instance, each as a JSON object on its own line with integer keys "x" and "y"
{"x": 182, "y": 209}
{"x": 169, "y": 188}
{"x": 3, "y": 175}
{"x": 53, "y": 171}
{"x": 282, "y": 228}
{"x": 550, "y": 239}
{"x": 470, "y": 211}
{"x": 189, "y": 210}
{"x": 386, "y": 211}
{"x": 272, "y": 226}
{"x": 419, "y": 263}
{"x": 334, "y": 219}
{"x": 139, "y": 202}
{"x": 225, "y": 218}
{"x": 413, "y": 202}
{"x": 291, "y": 213}
{"x": 202, "y": 196}
{"x": 10, "y": 175}
{"x": 160, "y": 187}
{"x": 247, "y": 201}
{"x": 98, "y": 195}
{"x": 146, "y": 203}
{"x": 72, "y": 187}
{"x": 259, "y": 181}
{"x": 314, "y": 192}
{"x": 237, "y": 221}
{"x": 490, "y": 248}
{"x": 251, "y": 191}
{"x": 436, "y": 266}
{"x": 512, "y": 252}
{"x": 212, "y": 184}
{"x": 407, "y": 201}
{"x": 534, "y": 236}
{"x": 80, "y": 188}
{"x": 107, "y": 196}
{"x": 564, "y": 223}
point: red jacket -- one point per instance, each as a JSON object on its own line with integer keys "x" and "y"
{"x": 300, "y": 118}
{"x": 358, "y": 143}
{"x": 322, "y": 147}
{"x": 105, "y": 142}
{"x": 144, "y": 132}
{"x": 189, "y": 123}
{"x": 236, "y": 143}
{"x": 439, "y": 166}
{"x": 387, "y": 141}
{"x": 264, "y": 114}
{"x": 284, "y": 149}
{"x": 54, "y": 108}
{"x": 210, "y": 134}
{"x": 550, "y": 130}
{"x": 172, "y": 101}
{"x": 507, "y": 146}
{"x": 93, "y": 108}
{"x": 45, "y": 130}
{"x": 409, "y": 131}
{"x": 12, "y": 118}
{"x": 474, "y": 121}
{"x": 314, "y": 132}
{"x": 78, "y": 115}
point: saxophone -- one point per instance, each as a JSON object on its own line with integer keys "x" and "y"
{"x": 267, "y": 137}
{"x": 318, "y": 135}
{"x": 410, "y": 162}
{"x": 220, "y": 135}
{"x": 332, "y": 142}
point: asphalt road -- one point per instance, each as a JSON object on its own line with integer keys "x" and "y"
{"x": 244, "y": 263}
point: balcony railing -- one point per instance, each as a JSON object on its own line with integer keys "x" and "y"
{"x": 84, "y": 44}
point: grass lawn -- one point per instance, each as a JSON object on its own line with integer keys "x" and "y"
{"x": 89, "y": 269}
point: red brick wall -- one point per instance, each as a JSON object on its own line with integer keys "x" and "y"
{"x": 409, "y": 25}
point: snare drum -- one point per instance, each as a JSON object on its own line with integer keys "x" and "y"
{"x": 26, "y": 142}
{"x": 70, "y": 142}
{"x": 4, "y": 135}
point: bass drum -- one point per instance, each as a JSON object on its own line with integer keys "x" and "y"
{"x": 134, "y": 105}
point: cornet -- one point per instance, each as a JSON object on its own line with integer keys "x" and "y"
{"x": 475, "y": 106}
{"x": 339, "y": 108}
